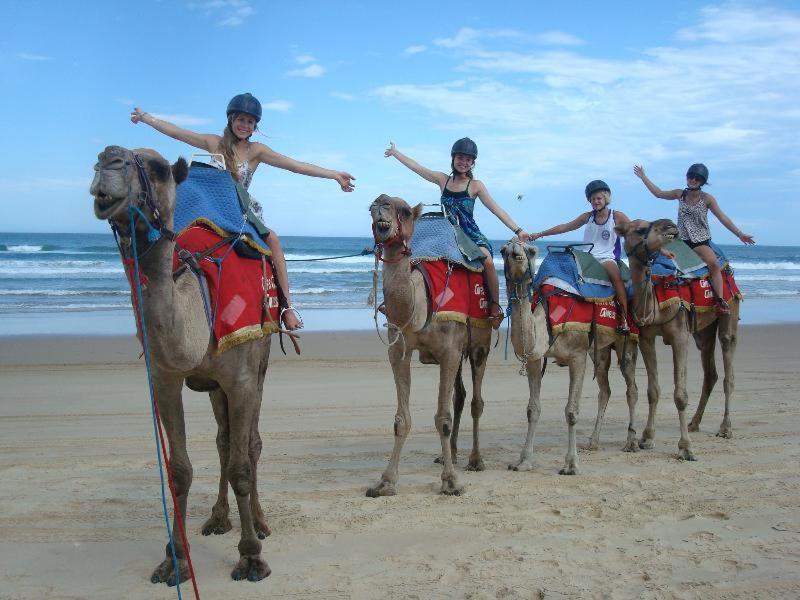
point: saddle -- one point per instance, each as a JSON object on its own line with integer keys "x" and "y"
{"x": 436, "y": 238}
{"x": 579, "y": 273}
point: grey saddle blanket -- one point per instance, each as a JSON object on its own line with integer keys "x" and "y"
{"x": 211, "y": 196}
{"x": 436, "y": 238}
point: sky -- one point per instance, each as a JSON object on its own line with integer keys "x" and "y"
{"x": 554, "y": 94}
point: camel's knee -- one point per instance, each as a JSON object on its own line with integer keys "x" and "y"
{"x": 477, "y": 408}
{"x": 653, "y": 394}
{"x": 401, "y": 426}
{"x": 240, "y": 476}
{"x": 533, "y": 413}
{"x": 681, "y": 402}
{"x": 572, "y": 416}
{"x": 727, "y": 341}
{"x": 181, "y": 477}
{"x": 444, "y": 424}
{"x": 255, "y": 445}
{"x": 223, "y": 438}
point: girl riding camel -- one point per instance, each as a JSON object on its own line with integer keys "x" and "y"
{"x": 458, "y": 193}
{"x": 242, "y": 158}
{"x": 693, "y": 207}
{"x": 599, "y": 231}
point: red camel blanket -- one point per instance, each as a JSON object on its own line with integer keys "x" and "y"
{"x": 237, "y": 288}
{"x": 459, "y": 296}
{"x": 567, "y": 312}
{"x": 693, "y": 292}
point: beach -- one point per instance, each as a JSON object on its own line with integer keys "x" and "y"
{"x": 82, "y": 511}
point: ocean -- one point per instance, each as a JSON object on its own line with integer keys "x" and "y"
{"x": 74, "y": 282}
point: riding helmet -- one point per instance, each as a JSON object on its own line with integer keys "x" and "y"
{"x": 698, "y": 170}
{"x": 245, "y": 103}
{"x": 596, "y": 186}
{"x": 465, "y": 146}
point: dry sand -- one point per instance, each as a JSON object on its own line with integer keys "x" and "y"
{"x": 82, "y": 515}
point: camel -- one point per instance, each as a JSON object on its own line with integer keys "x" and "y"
{"x": 445, "y": 343}
{"x": 642, "y": 239}
{"x": 530, "y": 339}
{"x": 181, "y": 349}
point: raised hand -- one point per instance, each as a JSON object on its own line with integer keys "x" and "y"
{"x": 390, "y": 150}
{"x": 638, "y": 170}
{"x": 345, "y": 181}
{"x": 137, "y": 114}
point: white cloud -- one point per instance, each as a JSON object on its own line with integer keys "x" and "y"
{"x": 558, "y": 38}
{"x": 34, "y": 57}
{"x": 278, "y": 105}
{"x": 415, "y": 49}
{"x": 181, "y": 119}
{"x": 345, "y": 96}
{"x": 314, "y": 70}
{"x": 304, "y": 59}
{"x": 230, "y": 13}
{"x": 464, "y": 37}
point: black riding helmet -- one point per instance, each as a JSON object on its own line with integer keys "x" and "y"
{"x": 245, "y": 103}
{"x": 465, "y": 146}
{"x": 698, "y": 170}
{"x": 596, "y": 186}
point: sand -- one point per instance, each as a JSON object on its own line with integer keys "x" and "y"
{"x": 82, "y": 514}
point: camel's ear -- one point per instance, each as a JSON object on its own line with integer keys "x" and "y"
{"x": 622, "y": 229}
{"x": 180, "y": 171}
{"x": 417, "y": 211}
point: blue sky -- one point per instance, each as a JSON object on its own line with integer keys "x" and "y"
{"x": 554, "y": 96}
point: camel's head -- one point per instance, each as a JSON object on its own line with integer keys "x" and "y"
{"x": 118, "y": 183}
{"x": 643, "y": 238}
{"x": 518, "y": 260}
{"x": 393, "y": 220}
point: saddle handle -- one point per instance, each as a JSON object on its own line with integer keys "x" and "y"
{"x": 569, "y": 247}
{"x": 217, "y": 160}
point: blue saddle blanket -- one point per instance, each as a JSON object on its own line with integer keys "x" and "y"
{"x": 435, "y": 238}
{"x": 687, "y": 263}
{"x": 210, "y": 196}
{"x": 579, "y": 273}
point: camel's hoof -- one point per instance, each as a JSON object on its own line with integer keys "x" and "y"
{"x": 252, "y": 568}
{"x": 685, "y": 454}
{"x": 693, "y": 427}
{"x": 591, "y": 446}
{"x": 165, "y": 573}
{"x": 725, "y": 431}
{"x": 523, "y": 465}
{"x": 647, "y": 444}
{"x": 631, "y": 446}
{"x": 450, "y": 487}
{"x": 384, "y": 488}
{"x": 569, "y": 471}
{"x": 476, "y": 465}
{"x": 216, "y": 525}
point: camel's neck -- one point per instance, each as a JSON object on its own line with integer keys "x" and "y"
{"x": 645, "y": 303}
{"x": 403, "y": 295}
{"x": 521, "y": 320}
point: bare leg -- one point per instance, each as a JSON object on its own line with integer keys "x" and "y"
{"x": 492, "y": 289}
{"x": 401, "y": 369}
{"x": 619, "y": 290}
{"x": 708, "y": 256}
{"x": 534, "y": 368}
{"x": 290, "y": 320}
{"x": 706, "y": 339}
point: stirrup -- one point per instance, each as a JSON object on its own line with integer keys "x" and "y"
{"x": 297, "y": 314}
{"x": 623, "y": 328}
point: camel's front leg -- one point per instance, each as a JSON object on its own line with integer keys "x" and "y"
{"x": 477, "y": 359}
{"x": 627, "y": 359}
{"x": 168, "y": 393}
{"x": 603, "y": 394}
{"x": 534, "y": 369}
{"x": 680, "y": 347}
{"x": 459, "y": 398}
{"x": 647, "y": 346}
{"x": 243, "y": 402}
{"x": 577, "y": 370}
{"x": 401, "y": 369}
{"x": 219, "y": 522}
{"x": 706, "y": 340}
{"x": 728, "y": 328}
{"x": 448, "y": 366}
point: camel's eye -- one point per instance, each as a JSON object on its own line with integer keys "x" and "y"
{"x": 641, "y": 230}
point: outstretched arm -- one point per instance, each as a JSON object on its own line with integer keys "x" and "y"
{"x": 497, "y": 211}
{"x": 267, "y": 155}
{"x": 576, "y": 223}
{"x": 638, "y": 170}
{"x": 713, "y": 206}
{"x": 436, "y": 177}
{"x": 204, "y": 141}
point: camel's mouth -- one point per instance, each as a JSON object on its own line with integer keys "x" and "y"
{"x": 382, "y": 226}
{"x": 105, "y": 205}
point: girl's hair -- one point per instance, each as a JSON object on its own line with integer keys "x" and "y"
{"x": 453, "y": 168}
{"x": 605, "y": 193}
{"x": 226, "y": 145}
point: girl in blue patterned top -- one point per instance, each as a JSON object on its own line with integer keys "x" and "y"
{"x": 458, "y": 193}
{"x": 242, "y": 157}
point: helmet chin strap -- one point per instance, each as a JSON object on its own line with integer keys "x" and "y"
{"x": 694, "y": 189}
